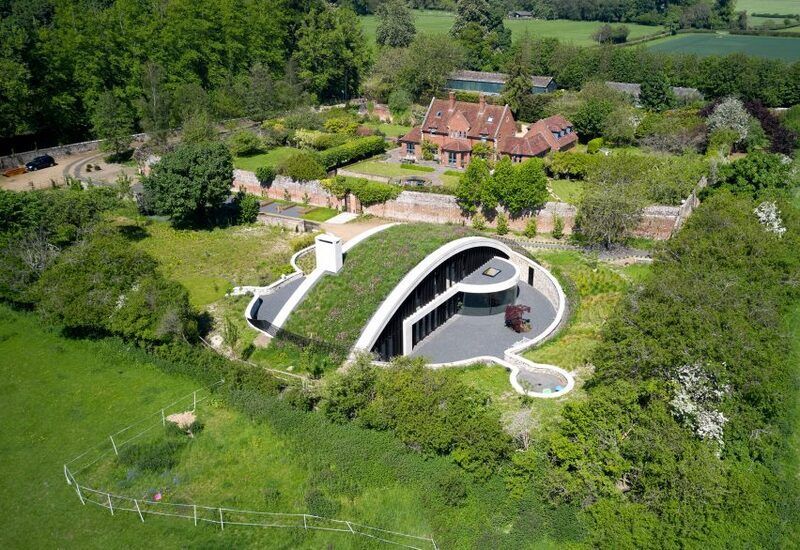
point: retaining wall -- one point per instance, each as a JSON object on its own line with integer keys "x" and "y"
{"x": 60, "y": 151}
{"x": 658, "y": 222}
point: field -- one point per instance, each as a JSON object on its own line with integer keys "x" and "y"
{"x": 63, "y": 396}
{"x": 768, "y": 6}
{"x": 578, "y": 32}
{"x": 567, "y": 190}
{"x": 390, "y": 130}
{"x": 772, "y": 47}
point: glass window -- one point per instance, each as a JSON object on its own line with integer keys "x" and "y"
{"x": 410, "y": 148}
{"x": 451, "y": 158}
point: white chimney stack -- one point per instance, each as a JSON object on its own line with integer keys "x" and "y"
{"x": 329, "y": 252}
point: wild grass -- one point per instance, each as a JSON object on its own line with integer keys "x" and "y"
{"x": 210, "y": 262}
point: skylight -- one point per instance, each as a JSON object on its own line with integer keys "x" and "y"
{"x": 490, "y": 119}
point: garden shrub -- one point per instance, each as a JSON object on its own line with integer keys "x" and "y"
{"x": 303, "y": 119}
{"x": 429, "y": 149}
{"x": 530, "y": 227}
{"x": 677, "y": 131}
{"x": 558, "y": 226}
{"x": 571, "y": 165}
{"x": 366, "y": 191}
{"x": 502, "y": 224}
{"x": 266, "y": 175}
{"x": 352, "y": 151}
{"x": 244, "y": 143}
{"x": 478, "y": 222}
{"x": 302, "y": 166}
{"x": 594, "y": 145}
{"x": 247, "y": 206}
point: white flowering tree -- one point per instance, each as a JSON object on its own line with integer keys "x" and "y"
{"x": 730, "y": 115}
{"x": 770, "y": 217}
{"x": 698, "y": 394}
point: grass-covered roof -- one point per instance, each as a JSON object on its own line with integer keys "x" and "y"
{"x": 333, "y": 314}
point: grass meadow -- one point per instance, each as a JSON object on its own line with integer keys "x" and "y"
{"x": 62, "y": 396}
{"x": 774, "y": 47}
{"x": 273, "y": 157}
{"x": 578, "y": 32}
{"x": 769, "y": 6}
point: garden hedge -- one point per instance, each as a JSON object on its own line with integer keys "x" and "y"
{"x": 351, "y": 151}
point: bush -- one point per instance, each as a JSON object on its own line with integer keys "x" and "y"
{"x": 571, "y": 165}
{"x": 558, "y": 226}
{"x": 429, "y": 149}
{"x": 157, "y": 456}
{"x": 351, "y": 151}
{"x": 399, "y": 101}
{"x": 594, "y": 145}
{"x": 248, "y": 207}
{"x": 502, "y": 224}
{"x": 266, "y": 175}
{"x": 530, "y": 227}
{"x": 366, "y": 191}
{"x": 479, "y": 222}
{"x": 302, "y": 166}
{"x": 244, "y": 143}
{"x": 341, "y": 123}
{"x": 303, "y": 119}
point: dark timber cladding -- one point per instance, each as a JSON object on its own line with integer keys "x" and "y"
{"x": 443, "y": 276}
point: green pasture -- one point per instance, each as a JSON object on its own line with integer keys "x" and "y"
{"x": 578, "y": 32}
{"x": 768, "y": 6}
{"x": 773, "y": 47}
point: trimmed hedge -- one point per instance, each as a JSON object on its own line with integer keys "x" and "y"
{"x": 302, "y": 166}
{"x": 352, "y": 151}
{"x": 366, "y": 191}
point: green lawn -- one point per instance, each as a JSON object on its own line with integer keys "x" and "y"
{"x": 390, "y": 130}
{"x": 787, "y": 49}
{"x": 578, "y": 32}
{"x": 567, "y": 190}
{"x": 210, "y": 262}
{"x": 272, "y": 157}
{"x": 320, "y": 214}
{"x": 386, "y": 169}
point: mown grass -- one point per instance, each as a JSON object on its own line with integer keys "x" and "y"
{"x": 386, "y": 169}
{"x": 210, "y": 262}
{"x": 568, "y": 190}
{"x": 272, "y": 157}
{"x": 320, "y": 214}
{"x": 389, "y": 130}
{"x": 336, "y": 310}
{"x": 578, "y": 32}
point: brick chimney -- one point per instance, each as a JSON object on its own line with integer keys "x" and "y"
{"x": 452, "y": 100}
{"x": 482, "y": 103}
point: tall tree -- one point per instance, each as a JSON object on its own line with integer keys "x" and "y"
{"x": 332, "y": 53}
{"x": 479, "y": 27}
{"x": 395, "y": 24}
{"x": 527, "y": 190}
{"x": 518, "y": 88}
{"x": 155, "y": 104}
{"x": 190, "y": 183}
{"x": 656, "y": 93}
{"x": 430, "y": 59}
{"x": 112, "y": 120}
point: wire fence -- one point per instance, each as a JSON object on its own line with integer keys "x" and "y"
{"x": 201, "y": 514}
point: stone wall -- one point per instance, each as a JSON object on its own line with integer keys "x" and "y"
{"x": 658, "y": 222}
{"x": 286, "y": 188}
{"x": 60, "y": 151}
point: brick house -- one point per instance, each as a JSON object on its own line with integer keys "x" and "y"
{"x": 454, "y": 127}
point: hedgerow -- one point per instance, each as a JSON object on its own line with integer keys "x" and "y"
{"x": 366, "y": 191}
{"x": 352, "y": 151}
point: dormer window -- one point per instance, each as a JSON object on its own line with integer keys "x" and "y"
{"x": 438, "y": 113}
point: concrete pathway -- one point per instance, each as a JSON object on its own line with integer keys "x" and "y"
{"x": 342, "y": 218}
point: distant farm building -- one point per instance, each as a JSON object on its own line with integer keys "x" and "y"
{"x": 492, "y": 83}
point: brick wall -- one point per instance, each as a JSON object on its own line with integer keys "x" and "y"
{"x": 286, "y": 188}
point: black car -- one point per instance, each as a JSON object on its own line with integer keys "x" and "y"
{"x": 44, "y": 161}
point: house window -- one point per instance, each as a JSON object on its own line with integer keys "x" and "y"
{"x": 451, "y": 158}
{"x": 483, "y": 139}
{"x": 410, "y": 148}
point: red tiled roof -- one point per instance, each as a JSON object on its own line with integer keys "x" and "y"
{"x": 550, "y": 125}
{"x": 457, "y": 145}
{"x": 480, "y": 122}
{"x": 528, "y": 146}
{"x": 413, "y": 136}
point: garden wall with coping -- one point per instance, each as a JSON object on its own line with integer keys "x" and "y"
{"x": 658, "y": 221}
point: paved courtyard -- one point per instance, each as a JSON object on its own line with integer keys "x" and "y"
{"x": 465, "y": 336}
